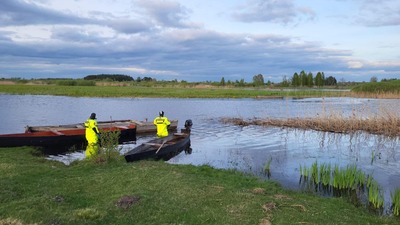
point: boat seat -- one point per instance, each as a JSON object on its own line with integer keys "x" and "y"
{"x": 122, "y": 127}
{"x": 152, "y": 144}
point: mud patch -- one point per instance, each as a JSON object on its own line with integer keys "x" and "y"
{"x": 127, "y": 201}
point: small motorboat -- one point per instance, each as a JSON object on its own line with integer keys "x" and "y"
{"x": 162, "y": 148}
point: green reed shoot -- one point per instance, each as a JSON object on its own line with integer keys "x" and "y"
{"x": 374, "y": 195}
{"x": 348, "y": 179}
{"x": 267, "y": 168}
{"x": 396, "y": 202}
{"x": 304, "y": 171}
{"x": 325, "y": 174}
{"x": 314, "y": 172}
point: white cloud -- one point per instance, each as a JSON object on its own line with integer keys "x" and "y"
{"x": 161, "y": 38}
{"x": 275, "y": 11}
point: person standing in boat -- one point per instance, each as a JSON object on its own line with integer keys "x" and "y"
{"x": 92, "y": 136}
{"x": 162, "y": 123}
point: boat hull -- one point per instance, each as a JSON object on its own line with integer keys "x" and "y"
{"x": 142, "y": 127}
{"x": 59, "y": 140}
{"x": 160, "y": 148}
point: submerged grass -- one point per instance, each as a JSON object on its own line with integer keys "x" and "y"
{"x": 34, "y": 190}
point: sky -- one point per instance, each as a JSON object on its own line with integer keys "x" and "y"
{"x": 199, "y": 40}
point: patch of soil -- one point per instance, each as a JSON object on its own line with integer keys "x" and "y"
{"x": 127, "y": 201}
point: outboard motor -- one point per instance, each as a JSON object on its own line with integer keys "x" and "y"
{"x": 188, "y": 125}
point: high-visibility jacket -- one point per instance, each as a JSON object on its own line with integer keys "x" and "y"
{"x": 162, "y": 124}
{"x": 91, "y": 131}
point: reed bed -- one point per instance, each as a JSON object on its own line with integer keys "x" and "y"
{"x": 396, "y": 202}
{"x": 346, "y": 182}
{"x": 388, "y": 125}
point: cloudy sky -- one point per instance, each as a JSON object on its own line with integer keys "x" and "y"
{"x": 199, "y": 40}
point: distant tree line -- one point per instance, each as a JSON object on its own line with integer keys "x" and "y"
{"x": 301, "y": 79}
{"x": 304, "y": 79}
{"x": 139, "y": 79}
{"x": 112, "y": 77}
{"x": 117, "y": 77}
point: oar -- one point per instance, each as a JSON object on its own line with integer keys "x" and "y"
{"x": 161, "y": 146}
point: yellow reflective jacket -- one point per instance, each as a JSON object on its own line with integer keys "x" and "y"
{"x": 162, "y": 124}
{"x": 91, "y": 131}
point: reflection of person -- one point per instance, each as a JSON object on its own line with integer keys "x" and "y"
{"x": 92, "y": 136}
{"x": 162, "y": 123}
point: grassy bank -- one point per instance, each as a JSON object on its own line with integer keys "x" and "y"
{"x": 383, "y": 89}
{"x": 103, "y": 88}
{"x": 34, "y": 190}
{"x": 164, "y": 92}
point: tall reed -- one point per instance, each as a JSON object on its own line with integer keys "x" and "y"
{"x": 385, "y": 122}
{"x": 396, "y": 202}
{"x": 349, "y": 181}
{"x": 267, "y": 168}
{"x": 374, "y": 195}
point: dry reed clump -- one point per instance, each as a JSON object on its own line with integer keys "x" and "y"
{"x": 389, "y": 125}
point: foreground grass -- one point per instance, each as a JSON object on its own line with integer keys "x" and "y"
{"x": 34, "y": 190}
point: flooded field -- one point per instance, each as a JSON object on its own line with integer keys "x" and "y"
{"x": 228, "y": 146}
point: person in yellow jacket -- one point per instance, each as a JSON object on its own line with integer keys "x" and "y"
{"x": 92, "y": 136}
{"x": 162, "y": 123}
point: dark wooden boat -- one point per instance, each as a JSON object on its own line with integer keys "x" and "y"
{"x": 162, "y": 148}
{"x": 142, "y": 127}
{"x": 61, "y": 137}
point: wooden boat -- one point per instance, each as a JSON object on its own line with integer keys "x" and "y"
{"x": 142, "y": 127}
{"x": 162, "y": 148}
{"x": 62, "y": 137}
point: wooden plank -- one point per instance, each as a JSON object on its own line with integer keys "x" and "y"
{"x": 152, "y": 144}
{"x": 56, "y": 132}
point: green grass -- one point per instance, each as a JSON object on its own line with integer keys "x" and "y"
{"x": 379, "y": 87}
{"x": 158, "y": 91}
{"x": 34, "y": 190}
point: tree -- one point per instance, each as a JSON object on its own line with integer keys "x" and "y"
{"x": 303, "y": 78}
{"x": 222, "y": 83}
{"x": 258, "y": 80}
{"x": 310, "y": 80}
{"x": 330, "y": 81}
{"x": 285, "y": 82}
{"x": 296, "y": 80}
{"x": 319, "y": 80}
{"x": 373, "y": 79}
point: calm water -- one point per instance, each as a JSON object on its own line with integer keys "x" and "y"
{"x": 227, "y": 146}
